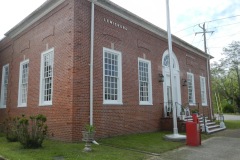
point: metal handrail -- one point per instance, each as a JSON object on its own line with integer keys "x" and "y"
{"x": 203, "y": 114}
{"x": 169, "y": 103}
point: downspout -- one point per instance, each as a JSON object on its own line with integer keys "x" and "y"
{"x": 91, "y": 62}
{"x": 91, "y": 65}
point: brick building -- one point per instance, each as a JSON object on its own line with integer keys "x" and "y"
{"x": 46, "y": 68}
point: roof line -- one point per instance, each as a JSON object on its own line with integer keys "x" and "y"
{"x": 41, "y": 11}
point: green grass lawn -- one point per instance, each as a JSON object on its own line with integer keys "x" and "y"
{"x": 149, "y": 142}
{"x": 232, "y": 124}
{"x": 129, "y": 147}
{"x": 70, "y": 151}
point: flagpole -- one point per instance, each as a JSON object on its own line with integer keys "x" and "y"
{"x": 175, "y": 135}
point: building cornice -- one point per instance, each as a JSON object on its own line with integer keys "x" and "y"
{"x": 44, "y": 9}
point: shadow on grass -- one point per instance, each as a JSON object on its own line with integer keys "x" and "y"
{"x": 146, "y": 142}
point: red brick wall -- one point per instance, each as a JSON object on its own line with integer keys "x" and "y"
{"x": 67, "y": 29}
{"x": 53, "y": 30}
{"x": 133, "y": 43}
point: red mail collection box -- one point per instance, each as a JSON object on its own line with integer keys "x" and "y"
{"x": 193, "y": 133}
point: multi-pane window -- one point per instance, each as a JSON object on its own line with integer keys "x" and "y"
{"x": 5, "y": 73}
{"x": 23, "y": 84}
{"x": 112, "y": 77}
{"x": 46, "y": 81}
{"x": 145, "y": 82}
{"x": 191, "y": 90}
{"x": 203, "y": 91}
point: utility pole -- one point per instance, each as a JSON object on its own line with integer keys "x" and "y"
{"x": 208, "y": 61}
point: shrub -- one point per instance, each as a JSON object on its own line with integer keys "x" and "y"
{"x": 11, "y": 128}
{"x": 89, "y": 128}
{"x": 31, "y": 133}
{"x": 228, "y": 108}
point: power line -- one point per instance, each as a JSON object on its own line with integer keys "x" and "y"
{"x": 207, "y": 21}
{"x": 227, "y": 35}
{"x": 224, "y": 25}
{"x": 186, "y": 28}
{"x": 193, "y": 38}
{"x": 223, "y": 18}
{"x": 215, "y": 47}
{"x": 210, "y": 29}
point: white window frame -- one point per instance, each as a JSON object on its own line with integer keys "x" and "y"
{"x": 119, "y": 77}
{"x": 20, "y": 85}
{"x": 193, "y": 88}
{"x": 43, "y": 102}
{"x": 203, "y": 91}
{"x": 149, "y": 102}
{"x": 3, "y": 86}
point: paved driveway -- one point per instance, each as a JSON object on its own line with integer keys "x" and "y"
{"x": 225, "y": 146}
{"x": 230, "y": 117}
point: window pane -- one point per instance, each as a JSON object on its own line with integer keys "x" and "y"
{"x": 111, "y": 78}
{"x": 191, "y": 98}
{"x": 143, "y": 81}
{"x": 47, "y": 72}
{"x": 23, "y": 90}
{"x": 203, "y": 90}
{"x": 5, "y": 73}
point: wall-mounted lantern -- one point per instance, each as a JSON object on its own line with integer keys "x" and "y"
{"x": 184, "y": 82}
{"x": 160, "y": 77}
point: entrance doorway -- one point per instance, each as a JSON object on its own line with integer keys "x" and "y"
{"x": 175, "y": 98}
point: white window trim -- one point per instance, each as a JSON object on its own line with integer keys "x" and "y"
{"x": 119, "y": 101}
{"x": 205, "y": 90}
{"x": 41, "y": 96}
{"x": 2, "y": 85}
{"x": 150, "y": 101}
{"x": 193, "y": 89}
{"x": 20, "y": 104}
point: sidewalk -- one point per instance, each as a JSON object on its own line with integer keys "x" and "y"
{"x": 231, "y": 117}
{"x": 225, "y": 145}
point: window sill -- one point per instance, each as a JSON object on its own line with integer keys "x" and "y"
{"x": 112, "y": 103}
{"x": 46, "y": 104}
{"x": 192, "y": 104}
{"x": 22, "y": 106}
{"x": 145, "y": 104}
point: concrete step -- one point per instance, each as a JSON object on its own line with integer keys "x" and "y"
{"x": 215, "y": 130}
{"x": 208, "y": 123}
{"x": 213, "y": 126}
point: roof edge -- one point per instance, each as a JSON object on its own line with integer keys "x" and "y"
{"x": 41, "y": 11}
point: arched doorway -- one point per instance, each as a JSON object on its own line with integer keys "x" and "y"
{"x": 166, "y": 85}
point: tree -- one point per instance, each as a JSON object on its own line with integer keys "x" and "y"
{"x": 226, "y": 75}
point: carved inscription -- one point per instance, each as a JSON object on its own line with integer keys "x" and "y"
{"x": 111, "y": 22}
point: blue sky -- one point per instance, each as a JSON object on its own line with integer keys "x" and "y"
{"x": 185, "y": 17}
